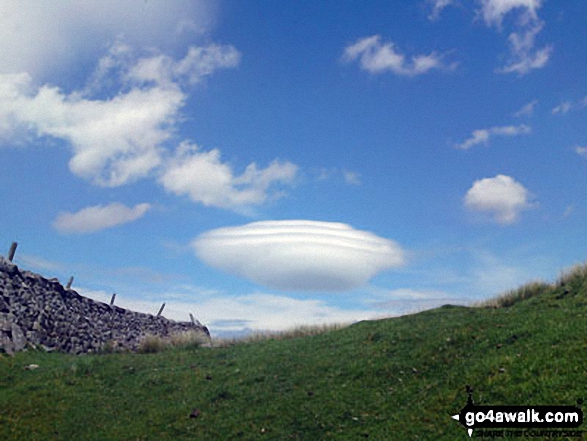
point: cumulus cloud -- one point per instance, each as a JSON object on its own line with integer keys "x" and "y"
{"x": 482, "y": 136}
{"x": 206, "y": 179}
{"x": 376, "y": 57}
{"x": 299, "y": 254}
{"x": 526, "y": 110}
{"x": 114, "y": 140}
{"x": 42, "y": 39}
{"x": 98, "y": 217}
{"x": 502, "y": 197}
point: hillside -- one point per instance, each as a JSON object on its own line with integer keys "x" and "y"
{"x": 399, "y": 378}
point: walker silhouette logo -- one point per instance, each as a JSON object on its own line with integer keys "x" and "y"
{"x": 519, "y": 417}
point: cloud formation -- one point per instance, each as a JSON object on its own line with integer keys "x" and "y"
{"x": 376, "y": 57}
{"x": 502, "y": 197}
{"x": 494, "y": 11}
{"x": 114, "y": 140}
{"x": 120, "y": 139}
{"x": 482, "y": 136}
{"x": 98, "y": 217}
{"x": 205, "y": 179}
{"x": 581, "y": 151}
{"x": 524, "y": 57}
{"x": 299, "y": 254}
{"x": 231, "y": 315}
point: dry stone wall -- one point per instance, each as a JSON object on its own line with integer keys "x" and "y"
{"x": 42, "y": 313}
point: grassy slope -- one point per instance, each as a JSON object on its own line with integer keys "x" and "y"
{"x": 399, "y": 378}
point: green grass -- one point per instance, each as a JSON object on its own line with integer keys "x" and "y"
{"x": 392, "y": 379}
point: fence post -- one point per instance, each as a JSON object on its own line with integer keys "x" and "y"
{"x": 69, "y": 283}
{"x": 112, "y": 299}
{"x": 12, "y": 251}
{"x": 161, "y": 310}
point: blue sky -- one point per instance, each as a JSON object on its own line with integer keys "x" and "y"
{"x": 269, "y": 164}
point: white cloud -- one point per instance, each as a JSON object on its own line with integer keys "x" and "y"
{"x": 376, "y": 57}
{"x": 251, "y": 312}
{"x": 581, "y": 151}
{"x": 114, "y": 140}
{"x": 278, "y": 313}
{"x": 494, "y": 11}
{"x": 197, "y": 64}
{"x": 299, "y": 254}
{"x": 205, "y": 179}
{"x": 523, "y": 55}
{"x": 43, "y": 39}
{"x": 502, "y": 197}
{"x": 526, "y": 110}
{"x": 482, "y": 136}
{"x": 98, "y": 217}
{"x": 567, "y": 106}
{"x": 118, "y": 140}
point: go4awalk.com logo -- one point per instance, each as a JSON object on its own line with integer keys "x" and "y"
{"x": 521, "y": 421}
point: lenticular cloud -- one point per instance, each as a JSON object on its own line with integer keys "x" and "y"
{"x": 299, "y": 254}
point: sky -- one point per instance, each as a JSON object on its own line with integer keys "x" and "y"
{"x": 265, "y": 165}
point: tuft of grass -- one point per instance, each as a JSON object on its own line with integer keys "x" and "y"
{"x": 511, "y": 297}
{"x": 112, "y": 347}
{"x": 151, "y": 344}
{"x": 188, "y": 339}
{"x": 577, "y": 275}
{"x": 300, "y": 331}
{"x": 574, "y": 279}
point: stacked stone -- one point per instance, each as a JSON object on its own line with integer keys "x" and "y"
{"x": 42, "y": 313}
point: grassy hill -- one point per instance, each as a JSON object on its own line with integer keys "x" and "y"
{"x": 393, "y": 379}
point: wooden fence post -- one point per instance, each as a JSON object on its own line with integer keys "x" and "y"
{"x": 161, "y": 310}
{"x": 12, "y": 251}
{"x": 69, "y": 283}
{"x": 112, "y": 299}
